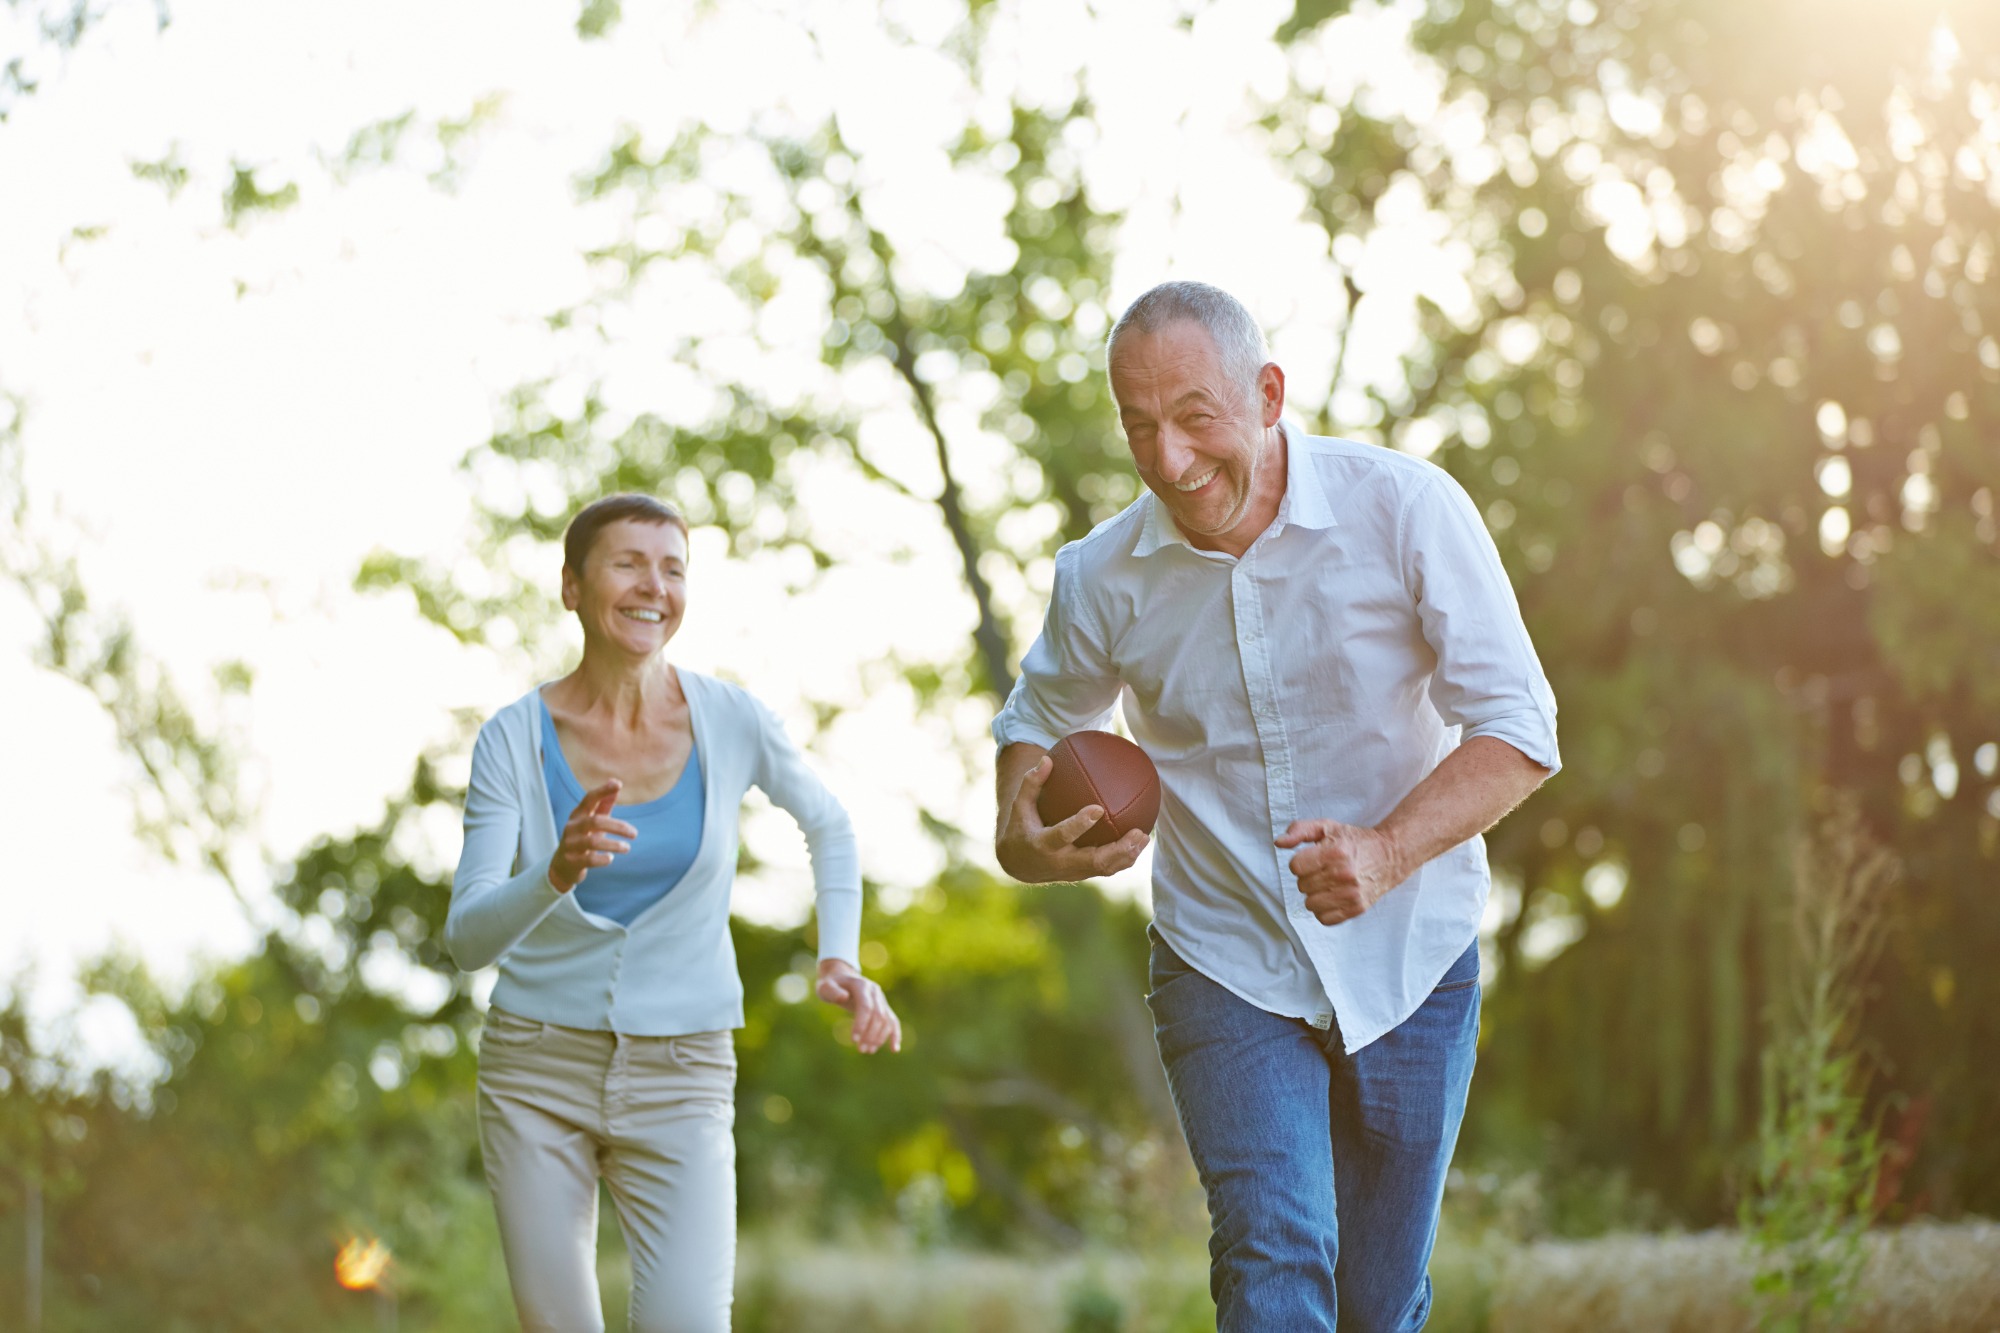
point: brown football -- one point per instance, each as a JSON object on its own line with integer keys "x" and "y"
{"x": 1098, "y": 768}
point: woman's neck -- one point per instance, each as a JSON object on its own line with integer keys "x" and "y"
{"x": 625, "y": 692}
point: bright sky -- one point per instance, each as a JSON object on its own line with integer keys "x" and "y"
{"x": 224, "y": 422}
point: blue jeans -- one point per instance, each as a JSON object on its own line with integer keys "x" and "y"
{"x": 1324, "y": 1170}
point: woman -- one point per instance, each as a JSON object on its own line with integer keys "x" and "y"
{"x": 600, "y": 845}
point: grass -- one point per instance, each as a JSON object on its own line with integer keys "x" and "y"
{"x": 1922, "y": 1278}
{"x": 1927, "y": 1277}
{"x": 803, "y": 1287}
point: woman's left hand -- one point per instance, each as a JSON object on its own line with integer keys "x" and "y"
{"x": 875, "y": 1023}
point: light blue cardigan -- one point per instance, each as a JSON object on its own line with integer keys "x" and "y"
{"x": 560, "y": 964}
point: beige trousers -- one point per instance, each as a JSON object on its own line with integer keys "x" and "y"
{"x": 653, "y": 1116}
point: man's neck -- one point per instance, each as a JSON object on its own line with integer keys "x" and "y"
{"x": 1267, "y": 496}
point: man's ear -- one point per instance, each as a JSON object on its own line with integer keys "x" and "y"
{"x": 1271, "y": 392}
{"x": 572, "y": 589}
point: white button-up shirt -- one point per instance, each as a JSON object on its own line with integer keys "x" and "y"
{"x": 1322, "y": 675}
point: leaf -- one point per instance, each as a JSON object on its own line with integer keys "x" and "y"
{"x": 1308, "y": 15}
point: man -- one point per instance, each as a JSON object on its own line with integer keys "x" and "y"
{"x": 1319, "y": 649}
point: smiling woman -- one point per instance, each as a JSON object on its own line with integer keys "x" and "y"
{"x": 632, "y": 594}
{"x": 600, "y": 830}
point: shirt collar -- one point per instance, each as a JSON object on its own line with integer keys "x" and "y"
{"x": 1304, "y": 505}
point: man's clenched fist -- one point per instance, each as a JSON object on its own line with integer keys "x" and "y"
{"x": 1343, "y": 869}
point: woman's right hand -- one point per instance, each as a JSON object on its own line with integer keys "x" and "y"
{"x": 590, "y": 838}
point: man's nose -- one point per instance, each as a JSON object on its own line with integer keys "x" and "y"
{"x": 1173, "y": 455}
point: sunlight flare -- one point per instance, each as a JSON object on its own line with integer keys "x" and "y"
{"x": 361, "y": 1265}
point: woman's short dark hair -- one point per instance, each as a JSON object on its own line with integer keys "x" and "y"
{"x": 594, "y": 517}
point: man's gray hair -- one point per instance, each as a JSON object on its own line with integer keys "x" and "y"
{"x": 1229, "y": 325}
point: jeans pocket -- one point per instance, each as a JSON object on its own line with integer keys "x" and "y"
{"x": 1463, "y": 972}
{"x": 711, "y": 1054}
{"x": 1164, "y": 967}
{"x": 509, "y": 1032}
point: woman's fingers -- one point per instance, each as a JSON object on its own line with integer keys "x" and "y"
{"x": 870, "y": 1030}
{"x": 882, "y": 1025}
{"x": 600, "y": 824}
{"x": 892, "y": 1029}
{"x": 599, "y": 799}
{"x": 600, "y": 835}
{"x": 589, "y": 842}
{"x": 875, "y": 1024}
{"x": 888, "y": 1028}
{"x": 591, "y": 836}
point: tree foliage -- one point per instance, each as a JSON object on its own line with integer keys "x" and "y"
{"x": 1729, "y": 409}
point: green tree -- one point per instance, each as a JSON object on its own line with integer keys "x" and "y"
{"x": 1727, "y": 397}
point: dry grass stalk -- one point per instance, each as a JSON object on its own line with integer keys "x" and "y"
{"x": 1818, "y": 1158}
{"x": 1930, "y": 1277}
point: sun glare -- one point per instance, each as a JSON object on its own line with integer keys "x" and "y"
{"x": 361, "y": 1265}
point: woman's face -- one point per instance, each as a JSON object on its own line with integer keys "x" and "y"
{"x": 633, "y": 587}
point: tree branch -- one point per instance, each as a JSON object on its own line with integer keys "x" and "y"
{"x": 987, "y": 635}
{"x": 1327, "y": 425}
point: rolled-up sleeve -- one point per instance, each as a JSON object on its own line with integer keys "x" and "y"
{"x": 1488, "y": 680}
{"x": 1067, "y": 682}
{"x": 793, "y": 787}
{"x": 492, "y": 907}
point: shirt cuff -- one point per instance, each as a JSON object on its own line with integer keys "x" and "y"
{"x": 1537, "y": 742}
{"x": 1009, "y": 728}
{"x": 839, "y": 913}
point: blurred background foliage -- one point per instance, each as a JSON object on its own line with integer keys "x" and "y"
{"x": 1725, "y": 381}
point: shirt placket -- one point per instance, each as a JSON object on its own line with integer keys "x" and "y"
{"x": 1253, "y": 644}
{"x": 1254, "y": 647}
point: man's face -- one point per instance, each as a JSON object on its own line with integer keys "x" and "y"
{"x": 1198, "y": 436}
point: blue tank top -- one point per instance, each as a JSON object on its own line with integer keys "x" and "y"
{"x": 669, "y": 836}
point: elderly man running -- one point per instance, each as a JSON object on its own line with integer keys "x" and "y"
{"x": 1319, "y": 648}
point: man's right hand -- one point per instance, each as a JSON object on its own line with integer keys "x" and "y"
{"x": 1038, "y": 853}
{"x": 591, "y": 837}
